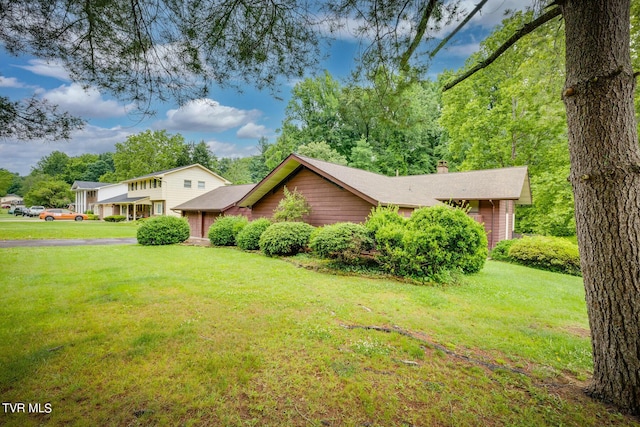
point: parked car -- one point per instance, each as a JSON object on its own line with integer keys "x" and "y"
{"x": 19, "y": 210}
{"x": 34, "y": 211}
{"x": 55, "y": 214}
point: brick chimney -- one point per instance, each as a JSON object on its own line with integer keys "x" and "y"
{"x": 443, "y": 166}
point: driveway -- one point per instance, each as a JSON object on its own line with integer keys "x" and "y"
{"x": 67, "y": 242}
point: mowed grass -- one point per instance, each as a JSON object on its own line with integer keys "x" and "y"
{"x": 180, "y": 335}
{"x": 34, "y": 228}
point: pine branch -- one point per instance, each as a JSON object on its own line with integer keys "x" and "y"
{"x": 526, "y": 29}
{"x": 422, "y": 28}
{"x": 458, "y": 28}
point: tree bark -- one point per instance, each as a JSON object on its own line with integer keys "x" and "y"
{"x": 605, "y": 175}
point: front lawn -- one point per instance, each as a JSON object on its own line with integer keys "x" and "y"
{"x": 34, "y": 228}
{"x": 182, "y": 335}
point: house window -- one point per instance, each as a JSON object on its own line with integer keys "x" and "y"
{"x": 187, "y": 183}
{"x": 155, "y": 183}
{"x": 144, "y": 185}
{"x": 474, "y": 206}
{"x": 158, "y": 208}
{"x": 201, "y": 185}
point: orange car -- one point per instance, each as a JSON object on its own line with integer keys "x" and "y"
{"x": 51, "y": 214}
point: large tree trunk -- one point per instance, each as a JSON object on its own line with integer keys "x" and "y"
{"x": 605, "y": 174}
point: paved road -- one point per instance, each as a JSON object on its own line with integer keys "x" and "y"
{"x": 66, "y": 242}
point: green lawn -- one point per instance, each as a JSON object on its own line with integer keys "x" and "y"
{"x": 19, "y": 228}
{"x": 181, "y": 335}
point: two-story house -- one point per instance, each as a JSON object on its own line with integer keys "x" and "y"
{"x": 156, "y": 193}
{"x": 86, "y": 193}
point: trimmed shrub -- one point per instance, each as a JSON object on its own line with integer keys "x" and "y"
{"x": 434, "y": 242}
{"x": 285, "y": 238}
{"x": 163, "y": 230}
{"x": 546, "y": 253}
{"x": 382, "y": 216}
{"x": 500, "y": 251}
{"x": 344, "y": 241}
{"x": 115, "y": 218}
{"x": 463, "y": 240}
{"x": 224, "y": 230}
{"x": 249, "y": 237}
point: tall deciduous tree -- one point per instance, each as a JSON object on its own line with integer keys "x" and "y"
{"x": 146, "y": 152}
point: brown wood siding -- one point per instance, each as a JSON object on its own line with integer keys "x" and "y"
{"x": 495, "y": 220}
{"x": 329, "y": 203}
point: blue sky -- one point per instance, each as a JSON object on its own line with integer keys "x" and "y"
{"x": 229, "y": 121}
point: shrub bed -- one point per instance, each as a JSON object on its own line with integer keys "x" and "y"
{"x": 285, "y": 238}
{"x": 432, "y": 243}
{"x": 248, "y": 238}
{"x": 343, "y": 241}
{"x": 163, "y": 230}
{"x": 546, "y": 253}
{"x": 224, "y": 230}
{"x": 115, "y": 218}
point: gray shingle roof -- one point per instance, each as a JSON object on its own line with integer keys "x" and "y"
{"x": 406, "y": 191}
{"x": 88, "y": 185}
{"x": 216, "y": 200}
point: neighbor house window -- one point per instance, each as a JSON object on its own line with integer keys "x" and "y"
{"x": 201, "y": 185}
{"x": 187, "y": 183}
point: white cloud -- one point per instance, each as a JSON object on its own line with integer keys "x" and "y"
{"x": 11, "y": 82}
{"x": 82, "y": 102}
{"x": 251, "y": 131}
{"x": 226, "y": 149}
{"x": 45, "y": 68}
{"x": 462, "y": 50}
{"x": 206, "y": 115}
{"x": 21, "y": 157}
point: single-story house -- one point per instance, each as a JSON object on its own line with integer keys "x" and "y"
{"x": 11, "y": 199}
{"x": 202, "y": 211}
{"x": 339, "y": 193}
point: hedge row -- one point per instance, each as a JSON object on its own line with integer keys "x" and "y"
{"x": 542, "y": 252}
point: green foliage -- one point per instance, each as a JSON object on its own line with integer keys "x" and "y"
{"x": 115, "y": 218}
{"x": 49, "y": 192}
{"x": 343, "y": 241}
{"x": 381, "y": 216}
{"x": 224, "y": 230}
{"x": 546, "y": 253}
{"x": 322, "y": 151}
{"x": 163, "y": 230}
{"x": 500, "y": 251}
{"x": 433, "y": 243}
{"x": 285, "y": 238}
{"x": 146, "y": 152}
{"x": 292, "y": 207}
{"x": 249, "y": 237}
{"x": 381, "y": 124}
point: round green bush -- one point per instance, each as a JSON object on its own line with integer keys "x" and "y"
{"x": 500, "y": 251}
{"x": 460, "y": 237}
{"x": 115, "y": 218}
{"x": 383, "y": 216}
{"x": 249, "y": 237}
{"x": 344, "y": 241}
{"x": 285, "y": 238}
{"x": 547, "y": 253}
{"x": 432, "y": 243}
{"x": 224, "y": 230}
{"x": 163, "y": 230}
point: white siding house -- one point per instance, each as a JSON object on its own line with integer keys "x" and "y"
{"x": 157, "y": 193}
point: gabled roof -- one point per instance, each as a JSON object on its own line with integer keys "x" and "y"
{"x": 406, "y": 191}
{"x": 162, "y": 174}
{"x": 88, "y": 185}
{"x": 216, "y": 200}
